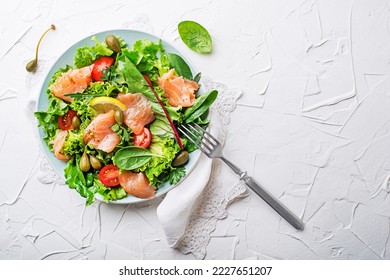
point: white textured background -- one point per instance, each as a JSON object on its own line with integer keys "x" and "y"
{"x": 313, "y": 125}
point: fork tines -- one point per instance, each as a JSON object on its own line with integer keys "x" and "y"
{"x": 202, "y": 139}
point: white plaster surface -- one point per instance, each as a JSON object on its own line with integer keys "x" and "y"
{"x": 312, "y": 125}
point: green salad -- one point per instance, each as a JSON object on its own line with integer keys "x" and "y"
{"x": 112, "y": 117}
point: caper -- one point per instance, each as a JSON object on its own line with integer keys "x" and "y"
{"x": 84, "y": 163}
{"x": 118, "y": 117}
{"x": 76, "y": 122}
{"x": 95, "y": 163}
{"x": 180, "y": 159}
{"x": 113, "y": 43}
{"x": 32, "y": 64}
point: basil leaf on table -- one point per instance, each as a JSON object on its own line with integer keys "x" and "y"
{"x": 201, "y": 105}
{"x": 181, "y": 67}
{"x": 130, "y": 158}
{"x": 195, "y": 36}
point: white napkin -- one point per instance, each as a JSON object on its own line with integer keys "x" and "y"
{"x": 175, "y": 210}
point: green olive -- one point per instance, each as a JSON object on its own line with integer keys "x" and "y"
{"x": 180, "y": 159}
{"x": 76, "y": 122}
{"x": 113, "y": 43}
{"x": 84, "y": 163}
{"x": 119, "y": 117}
{"x": 95, "y": 163}
{"x": 32, "y": 65}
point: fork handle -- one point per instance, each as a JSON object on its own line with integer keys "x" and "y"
{"x": 281, "y": 209}
{"x": 272, "y": 201}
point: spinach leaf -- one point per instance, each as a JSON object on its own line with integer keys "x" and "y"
{"x": 130, "y": 158}
{"x": 137, "y": 83}
{"x": 133, "y": 77}
{"x": 201, "y": 105}
{"x": 197, "y": 77}
{"x": 195, "y": 36}
{"x": 181, "y": 67}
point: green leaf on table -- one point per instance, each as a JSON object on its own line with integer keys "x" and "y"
{"x": 195, "y": 36}
{"x": 181, "y": 67}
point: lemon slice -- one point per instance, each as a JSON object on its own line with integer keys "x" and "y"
{"x": 104, "y": 104}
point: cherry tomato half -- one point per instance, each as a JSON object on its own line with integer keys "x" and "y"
{"x": 99, "y": 65}
{"x": 108, "y": 175}
{"x": 143, "y": 139}
{"x": 65, "y": 121}
{"x": 148, "y": 81}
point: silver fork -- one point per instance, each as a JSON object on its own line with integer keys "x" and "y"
{"x": 212, "y": 148}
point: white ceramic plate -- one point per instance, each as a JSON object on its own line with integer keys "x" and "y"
{"x": 130, "y": 36}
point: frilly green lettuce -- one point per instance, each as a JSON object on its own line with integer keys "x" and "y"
{"x": 87, "y": 55}
{"x": 166, "y": 149}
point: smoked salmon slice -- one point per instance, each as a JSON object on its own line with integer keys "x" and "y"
{"x": 139, "y": 112}
{"x": 74, "y": 80}
{"x": 136, "y": 184}
{"x": 58, "y": 144}
{"x": 99, "y": 133}
{"x": 179, "y": 91}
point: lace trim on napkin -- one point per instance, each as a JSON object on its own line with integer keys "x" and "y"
{"x": 215, "y": 198}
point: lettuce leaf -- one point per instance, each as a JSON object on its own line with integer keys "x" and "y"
{"x": 109, "y": 193}
{"x": 88, "y": 184}
{"x": 73, "y": 143}
{"x": 87, "y": 55}
{"x": 77, "y": 180}
{"x": 48, "y": 119}
{"x": 166, "y": 148}
{"x": 149, "y": 58}
{"x": 160, "y": 127}
{"x": 129, "y": 75}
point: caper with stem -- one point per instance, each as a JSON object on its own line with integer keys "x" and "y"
{"x": 32, "y": 64}
{"x": 113, "y": 43}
